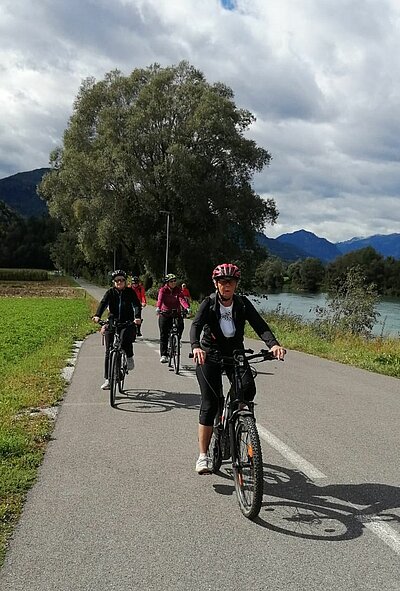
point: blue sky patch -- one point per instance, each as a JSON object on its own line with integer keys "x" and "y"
{"x": 229, "y": 4}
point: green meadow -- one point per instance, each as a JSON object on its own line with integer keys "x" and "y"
{"x": 37, "y": 337}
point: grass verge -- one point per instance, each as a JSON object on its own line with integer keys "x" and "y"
{"x": 39, "y": 335}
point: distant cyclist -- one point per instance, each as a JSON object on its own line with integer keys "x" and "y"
{"x": 137, "y": 286}
{"x": 170, "y": 301}
{"x": 186, "y": 293}
{"x": 187, "y": 296}
{"x": 220, "y": 320}
{"x": 123, "y": 305}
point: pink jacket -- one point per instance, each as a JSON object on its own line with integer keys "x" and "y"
{"x": 171, "y": 299}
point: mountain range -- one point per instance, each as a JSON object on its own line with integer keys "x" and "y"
{"x": 302, "y": 244}
{"x": 19, "y": 193}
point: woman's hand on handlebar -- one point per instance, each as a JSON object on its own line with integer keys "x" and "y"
{"x": 278, "y": 352}
{"x": 199, "y": 356}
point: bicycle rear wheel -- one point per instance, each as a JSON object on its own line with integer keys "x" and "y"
{"x": 248, "y": 466}
{"x": 113, "y": 376}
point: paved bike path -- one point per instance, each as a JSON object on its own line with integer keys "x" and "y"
{"x": 118, "y": 505}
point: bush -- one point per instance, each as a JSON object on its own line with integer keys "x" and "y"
{"x": 351, "y": 307}
{"x": 23, "y": 275}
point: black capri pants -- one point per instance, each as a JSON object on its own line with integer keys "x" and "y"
{"x": 209, "y": 377}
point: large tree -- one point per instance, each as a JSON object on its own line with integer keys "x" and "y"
{"x": 161, "y": 139}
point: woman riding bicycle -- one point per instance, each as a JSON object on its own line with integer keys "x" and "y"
{"x": 221, "y": 317}
{"x": 170, "y": 302}
{"x": 123, "y": 305}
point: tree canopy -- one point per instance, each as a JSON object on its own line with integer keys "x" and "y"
{"x": 160, "y": 139}
{"x": 26, "y": 242}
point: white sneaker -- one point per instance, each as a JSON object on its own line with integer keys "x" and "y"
{"x": 163, "y": 359}
{"x": 106, "y": 385}
{"x": 204, "y": 465}
{"x": 130, "y": 363}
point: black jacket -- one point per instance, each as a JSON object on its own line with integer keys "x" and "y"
{"x": 207, "y": 320}
{"x": 122, "y": 304}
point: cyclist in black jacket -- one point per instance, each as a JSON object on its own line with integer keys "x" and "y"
{"x": 220, "y": 320}
{"x": 123, "y": 304}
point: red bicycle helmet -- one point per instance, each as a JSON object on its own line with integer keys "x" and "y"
{"x": 226, "y": 270}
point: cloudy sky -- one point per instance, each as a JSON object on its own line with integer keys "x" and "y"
{"x": 321, "y": 76}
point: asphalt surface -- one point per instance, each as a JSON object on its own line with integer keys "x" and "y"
{"x": 118, "y": 504}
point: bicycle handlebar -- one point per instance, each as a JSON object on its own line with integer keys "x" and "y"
{"x": 116, "y": 323}
{"x": 249, "y": 355}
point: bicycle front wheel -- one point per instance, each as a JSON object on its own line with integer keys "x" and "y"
{"x": 171, "y": 350}
{"x": 214, "y": 449}
{"x": 248, "y": 466}
{"x": 122, "y": 372}
{"x": 114, "y": 376}
{"x": 177, "y": 353}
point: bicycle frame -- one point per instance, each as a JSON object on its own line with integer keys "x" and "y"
{"x": 234, "y": 397}
{"x": 117, "y": 363}
{"x": 236, "y": 424}
{"x": 174, "y": 340}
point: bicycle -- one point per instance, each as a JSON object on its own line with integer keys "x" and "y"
{"x": 235, "y": 435}
{"x": 117, "y": 363}
{"x": 174, "y": 341}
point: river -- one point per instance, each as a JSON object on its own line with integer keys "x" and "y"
{"x": 304, "y": 304}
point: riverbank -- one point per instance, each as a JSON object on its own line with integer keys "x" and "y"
{"x": 379, "y": 355}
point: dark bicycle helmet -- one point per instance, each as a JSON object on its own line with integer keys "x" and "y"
{"x": 169, "y": 277}
{"x": 135, "y": 279}
{"x": 228, "y": 270}
{"x": 118, "y": 273}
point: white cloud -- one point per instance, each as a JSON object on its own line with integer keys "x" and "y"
{"x": 320, "y": 75}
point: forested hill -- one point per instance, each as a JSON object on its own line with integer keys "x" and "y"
{"x": 19, "y": 192}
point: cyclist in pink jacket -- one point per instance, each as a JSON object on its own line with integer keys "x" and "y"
{"x": 170, "y": 302}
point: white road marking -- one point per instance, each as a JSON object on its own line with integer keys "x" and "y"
{"x": 293, "y": 457}
{"x": 384, "y": 532}
{"x": 149, "y": 344}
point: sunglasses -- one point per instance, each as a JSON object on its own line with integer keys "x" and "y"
{"x": 226, "y": 281}
{"x": 119, "y": 280}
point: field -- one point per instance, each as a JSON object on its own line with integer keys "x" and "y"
{"x": 40, "y": 322}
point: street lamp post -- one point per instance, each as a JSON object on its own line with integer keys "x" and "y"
{"x": 167, "y": 213}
